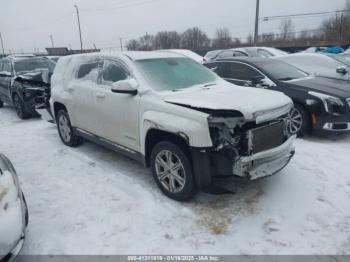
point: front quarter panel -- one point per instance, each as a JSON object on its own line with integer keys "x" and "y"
{"x": 187, "y": 123}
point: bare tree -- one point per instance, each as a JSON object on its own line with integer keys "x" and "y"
{"x": 194, "y": 39}
{"x": 133, "y": 45}
{"x": 146, "y": 42}
{"x": 250, "y": 39}
{"x": 167, "y": 40}
{"x": 223, "y": 39}
{"x": 286, "y": 29}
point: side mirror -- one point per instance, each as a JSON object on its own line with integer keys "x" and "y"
{"x": 342, "y": 70}
{"x": 128, "y": 86}
{"x": 257, "y": 80}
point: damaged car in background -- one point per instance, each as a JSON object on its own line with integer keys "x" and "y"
{"x": 175, "y": 116}
{"x": 25, "y": 83}
{"x": 13, "y": 212}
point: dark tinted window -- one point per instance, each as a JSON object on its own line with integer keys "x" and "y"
{"x": 238, "y": 71}
{"x": 113, "y": 72}
{"x": 88, "y": 71}
{"x": 239, "y": 53}
{"x": 281, "y": 71}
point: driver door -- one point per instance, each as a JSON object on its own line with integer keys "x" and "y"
{"x": 117, "y": 114}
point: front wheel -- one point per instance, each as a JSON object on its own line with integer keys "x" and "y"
{"x": 20, "y": 108}
{"x": 66, "y": 131}
{"x": 299, "y": 122}
{"x": 172, "y": 171}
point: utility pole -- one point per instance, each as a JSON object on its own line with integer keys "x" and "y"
{"x": 256, "y": 33}
{"x": 81, "y": 41}
{"x": 2, "y": 45}
{"x": 51, "y": 37}
{"x": 121, "y": 44}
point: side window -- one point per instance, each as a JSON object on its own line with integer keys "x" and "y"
{"x": 89, "y": 71}
{"x": 264, "y": 53}
{"x": 226, "y": 54}
{"x": 113, "y": 72}
{"x": 213, "y": 67}
{"x": 6, "y": 66}
{"x": 239, "y": 53}
{"x": 239, "y": 71}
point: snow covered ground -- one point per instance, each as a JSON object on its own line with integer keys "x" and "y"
{"x": 90, "y": 200}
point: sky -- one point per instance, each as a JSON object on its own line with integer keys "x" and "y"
{"x": 26, "y": 25}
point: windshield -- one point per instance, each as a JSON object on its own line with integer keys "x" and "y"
{"x": 345, "y": 59}
{"x": 282, "y": 71}
{"x": 27, "y": 65}
{"x": 171, "y": 74}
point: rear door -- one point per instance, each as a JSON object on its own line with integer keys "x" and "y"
{"x": 5, "y": 80}
{"x": 82, "y": 91}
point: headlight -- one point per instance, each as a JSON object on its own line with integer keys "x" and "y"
{"x": 331, "y": 104}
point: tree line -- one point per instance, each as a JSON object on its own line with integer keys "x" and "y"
{"x": 332, "y": 31}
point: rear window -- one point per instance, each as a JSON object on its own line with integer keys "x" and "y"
{"x": 27, "y": 65}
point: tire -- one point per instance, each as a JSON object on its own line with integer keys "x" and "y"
{"x": 178, "y": 184}
{"x": 1, "y": 104}
{"x": 299, "y": 121}
{"x": 26, "y": 216}
{"x": 66, "y": 131}
{"x": 20, "y": 108}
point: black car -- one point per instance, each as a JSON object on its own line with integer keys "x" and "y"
{"x": 321, "y": 104}
{"x": 24, "y": 82}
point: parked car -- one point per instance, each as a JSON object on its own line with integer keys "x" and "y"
{"x": 172, "y": 114}
{"x": 13, "y": 212}
{"x": 318, "y": 64}
{"x": 24, "y": 81}
{"x": 265, "y": 52}
{"x": 320, "y": 104}
{"x": 187, "y": 53}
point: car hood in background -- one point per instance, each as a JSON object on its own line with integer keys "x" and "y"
{"x": 250, "y": 102}
{"x": 325, "y": 85}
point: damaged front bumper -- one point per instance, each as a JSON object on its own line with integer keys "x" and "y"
{"x": 265, "y": 163}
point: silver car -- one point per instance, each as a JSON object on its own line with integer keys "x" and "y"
{"x": 318, "y": 64}
{"x": 13, "y": 212}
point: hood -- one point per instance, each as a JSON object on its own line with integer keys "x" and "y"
{"x": 251, "y": 102}
{"x": 327, "y": 86}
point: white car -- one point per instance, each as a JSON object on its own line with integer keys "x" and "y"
{"x": 13, "y": 212}
{"x": 174, "y": 115}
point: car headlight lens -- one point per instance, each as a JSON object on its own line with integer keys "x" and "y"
{"x": 331, "y": 104}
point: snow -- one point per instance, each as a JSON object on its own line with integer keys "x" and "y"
{"x": 89, "y": 200}
{"x": 10, "y": 213}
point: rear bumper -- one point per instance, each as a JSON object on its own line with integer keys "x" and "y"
{"x": 265, "y": 163}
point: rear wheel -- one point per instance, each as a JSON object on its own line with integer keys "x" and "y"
{"x": 20, "y": 108}
{"x": 66, "y": 131}
{"x": 172, "y": 171}
{"x": 299, "y": 122}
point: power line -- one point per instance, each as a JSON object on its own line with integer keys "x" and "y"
{"x": 266, "y": 18}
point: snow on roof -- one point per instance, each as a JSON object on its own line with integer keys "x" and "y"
{"x": 134, "y": 55}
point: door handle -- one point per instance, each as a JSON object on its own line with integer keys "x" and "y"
{"x": 100, "y": 95}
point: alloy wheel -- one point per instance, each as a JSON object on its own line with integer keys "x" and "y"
{"x": 295, "y": 121}
{"x": 170, "y": 171}
{"x": 64, "y": 127}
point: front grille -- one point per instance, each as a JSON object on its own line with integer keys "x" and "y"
{"x": 266, "y": 137}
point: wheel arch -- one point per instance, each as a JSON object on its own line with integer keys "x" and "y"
{"x": 154, "y": 136}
